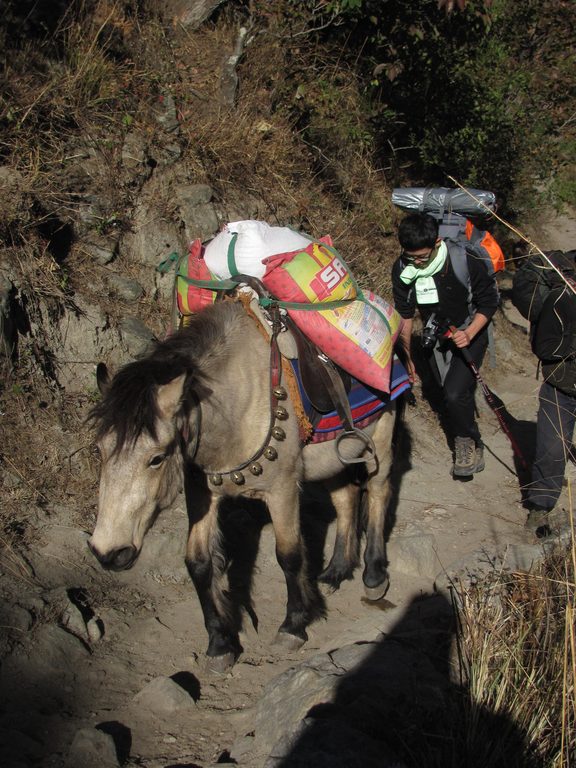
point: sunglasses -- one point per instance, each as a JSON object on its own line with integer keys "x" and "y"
{"x": 410, "y": 258}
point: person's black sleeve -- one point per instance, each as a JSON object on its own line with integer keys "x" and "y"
{"x": 404, "y": 295}
{"x": 526, "y": 293}
{"x": 483, "y": 285}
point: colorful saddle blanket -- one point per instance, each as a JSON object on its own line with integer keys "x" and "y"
{"x": 365, "y": 403}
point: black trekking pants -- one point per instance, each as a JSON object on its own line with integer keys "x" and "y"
{"x": 459, "y": 385}
{"x": 555, "y": 425}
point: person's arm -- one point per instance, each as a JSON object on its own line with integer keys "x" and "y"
{"x": 405, "y": 305}
{"x": 405, "y": 339}
{"x": 485, "y": 299}
{"x": 463, "y": 338}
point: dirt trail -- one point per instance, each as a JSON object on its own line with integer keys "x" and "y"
{"x": 152, "y": 620}
{"x": 484, "y": 514}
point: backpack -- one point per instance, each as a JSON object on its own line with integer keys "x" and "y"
{"x": 483, "y": 240}
{"x": 451, "y": 208}
{"x": 546, "y": 299}
{"x": 535, "y": 278}
{"x": 458, "y": 249}
{"x": 542, "y": 296}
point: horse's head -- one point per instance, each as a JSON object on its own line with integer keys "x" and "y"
{"x": 138, "y": 434}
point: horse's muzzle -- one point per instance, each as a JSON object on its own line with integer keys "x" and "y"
{"x": 116, "y": 559}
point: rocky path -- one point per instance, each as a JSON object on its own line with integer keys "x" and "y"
{"x": 103, "y": 669}
{"x": 114, "y": 664}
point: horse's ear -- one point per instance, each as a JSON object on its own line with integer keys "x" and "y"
{"x": 103, "y": 378}
{"x": 170, "y": 396}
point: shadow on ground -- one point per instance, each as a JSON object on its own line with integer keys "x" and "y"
{"x": 399, "y": 706}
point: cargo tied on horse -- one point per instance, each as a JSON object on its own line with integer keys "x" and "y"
{"x": 208, "y": 407}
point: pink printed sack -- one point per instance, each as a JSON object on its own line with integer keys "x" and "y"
{"x": 193, "y": 298}
{"x": 357, "y": 331}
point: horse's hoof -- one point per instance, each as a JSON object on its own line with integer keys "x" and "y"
{"x": 328, "y": 582}
{"x": 220, "y": 664}
{"x": 288, "y": 642}
{"x": 328, "y": 589}
{"x": 333, "y": 579}
{"x": 378, "y": 592}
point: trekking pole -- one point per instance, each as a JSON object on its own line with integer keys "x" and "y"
{"x": 570, "y": 282}
{"x": 491, "y": 401}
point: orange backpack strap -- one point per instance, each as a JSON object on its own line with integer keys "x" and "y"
{"x": 484, "y": 239}
{"x": 494, "y": 250}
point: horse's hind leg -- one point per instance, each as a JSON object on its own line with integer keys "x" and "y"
{"x": 345, "y": 498}
{"x": 205, "y": 562}
{"x": 303, "y": 603}
{"x": 375, "y": 576}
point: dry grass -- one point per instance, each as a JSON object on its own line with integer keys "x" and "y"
{"x": 517, "y": 650}
{"x": 512, "y": 698}
{"x": 294, "y": 143}
{"x": 46, "y": 97}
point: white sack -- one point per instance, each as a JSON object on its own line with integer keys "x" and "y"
{"x": 256, "y": 241}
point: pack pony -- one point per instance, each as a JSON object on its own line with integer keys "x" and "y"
{"x": 202, "y": 409}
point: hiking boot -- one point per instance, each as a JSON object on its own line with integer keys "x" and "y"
{"x": 480, "y": 457}
{"x": 538, "y": 522}
{"x": 464, "y": 457}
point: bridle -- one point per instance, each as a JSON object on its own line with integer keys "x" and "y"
{"x": 278, "y": 412}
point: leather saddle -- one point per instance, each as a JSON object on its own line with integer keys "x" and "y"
{"x": 326, "y": 384}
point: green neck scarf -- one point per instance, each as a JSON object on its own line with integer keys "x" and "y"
{"x": 423, "y": 278}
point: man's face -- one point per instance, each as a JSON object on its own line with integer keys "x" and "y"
{"x": 422, "y": 257}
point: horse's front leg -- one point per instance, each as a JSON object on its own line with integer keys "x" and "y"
{"x": 375, "y": 577}
{"x": 345, "y": 498}
{"x": 304, "y": 602}
{"x": 206, "y": 563}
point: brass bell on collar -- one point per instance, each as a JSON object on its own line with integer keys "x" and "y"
{"x": 256, "y": 468}
{"x": 270, "y": 453}
{"x": 279, "y": 393}
{"x": 237, "y": 478}
{"x": 281, "y": 413}
{"x": 278, "y": 433}
{"x": 215, "y": 479}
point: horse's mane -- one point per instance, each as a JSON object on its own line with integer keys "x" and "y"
{"x": 129, "y": 408}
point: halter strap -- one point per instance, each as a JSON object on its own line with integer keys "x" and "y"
{"x": 276, "y": 412}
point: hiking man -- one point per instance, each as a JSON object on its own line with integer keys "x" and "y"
{"x": 428, "y": 276}
{"x": 544, "y": 297}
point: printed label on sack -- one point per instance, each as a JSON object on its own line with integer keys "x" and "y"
{"x": 358, "y": 337}
{"x": 364, "y": 327}
{"x": 321, "y": 275}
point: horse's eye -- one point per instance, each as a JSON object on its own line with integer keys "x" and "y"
{"x": 157, "y": 460}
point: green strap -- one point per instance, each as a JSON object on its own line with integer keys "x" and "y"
{"x": 169, "y": 261}
{"x": 383, "y": 317}
{"x": 232, "y": 268}
{"x": 212, "y": 285}
{"x": 266, "y": 301}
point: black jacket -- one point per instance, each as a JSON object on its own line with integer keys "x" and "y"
{"x": 542, "y": 296}
{"x": 454, "y": 298}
